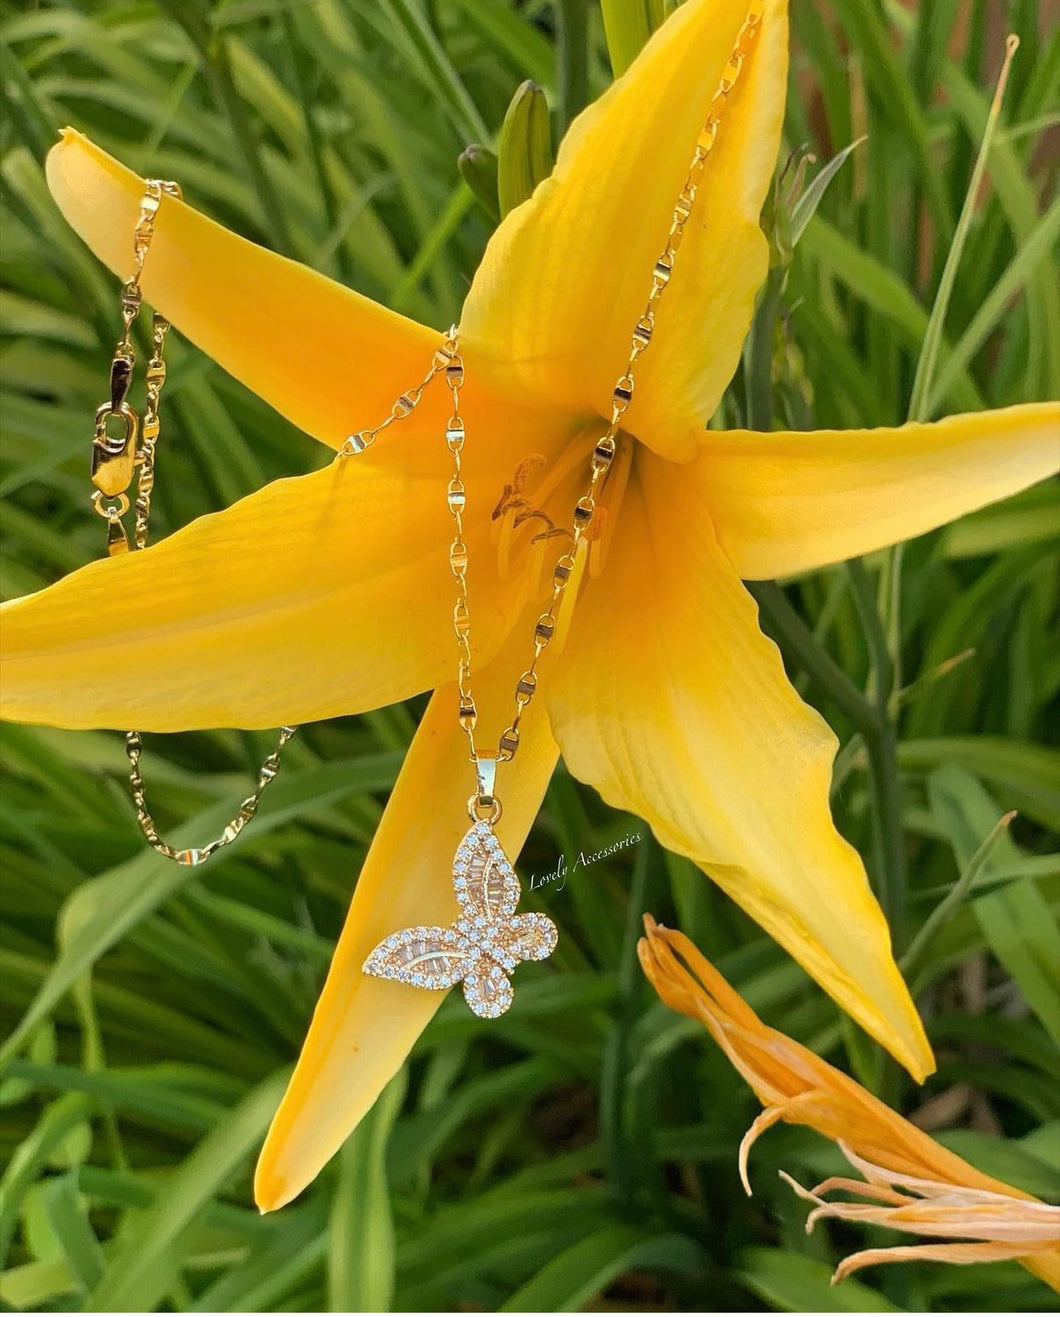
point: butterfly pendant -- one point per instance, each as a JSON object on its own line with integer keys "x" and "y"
{"x": 484, "y": 945}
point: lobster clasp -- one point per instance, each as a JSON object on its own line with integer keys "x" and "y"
{"x": 114, "y": 455}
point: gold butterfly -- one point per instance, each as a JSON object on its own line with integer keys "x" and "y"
{"x": 484, "y": 945}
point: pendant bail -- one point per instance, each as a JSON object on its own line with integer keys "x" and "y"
{"x": 484, "y": 805}
{"x": 486, "y": 772}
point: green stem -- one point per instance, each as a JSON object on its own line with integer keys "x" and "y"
{"x": 890, "y": 611}
{"x": 621, "y": 1147}
{"x": 758, "y": 356}
{"x": 887, "y": 793}
{"x": 912, "y": 961}
{"x": 882, "y": 746}
{"x": 868, "y": 610}
{"x": 798, "y": 640}
{"x": 572, "y": 59}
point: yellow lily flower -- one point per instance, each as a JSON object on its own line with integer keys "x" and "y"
{"x": 326, "y": 594}
{"x": 913, "y": 1183}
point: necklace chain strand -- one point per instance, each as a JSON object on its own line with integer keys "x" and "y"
{"x": 113, "y": 464}
{"x": 604, "y": 451}
{"x": 448, "y": 361}
{"x": 114, "y": 460}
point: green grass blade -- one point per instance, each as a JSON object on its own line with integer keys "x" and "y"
{"x": 150, "y": 1254}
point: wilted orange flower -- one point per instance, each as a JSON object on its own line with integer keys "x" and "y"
{"x": 913, "y": 1182}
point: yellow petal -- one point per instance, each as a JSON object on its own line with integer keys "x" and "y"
{"x": 363, "y": 1028}
{"x": 1046, "y": 1266}
{"x": 320, "y": 595}
{"x": 695, "y": 727}
{"x": 566, "y": 276}
{"x": 788, "y": 502}
{"x": 327, "y": 358}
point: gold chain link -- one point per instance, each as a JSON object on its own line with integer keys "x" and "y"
{"x": 115, "y": 460}
{"x": 405, "y": 405}
{"x": 192, "y": 855}
{"x": 456, "y": 498}
{"x": 149, "y": 429}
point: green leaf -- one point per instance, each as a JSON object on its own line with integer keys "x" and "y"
{"x": 805, "y": 207}
{"x": 1031, "y": 257}
{"x": 28, "y": 1288}
{"x": 923, "y": 381}
{"x": 792, "y": 1282}
{"x": 1011, "y": 1160}
{"x": 511, "y": 32}
{"x": 865, "y": 25}
{"x": 1017, "y": 197}
{"x": 1016, "y": 920}
{"x": 32, "y": 1155}
{"x": 361, "y": 1248}
{"x": 68, "y": 1217}
{"x": 910, "y": 962}
{"x": 582, "y": 1271}
{"x": 419, "y": 40}
{"x": 284, "y": 1259}
{"x": 101, "y": 912}
{"x": 1030, "y": 518}
{"x": 883, "y": 291}
{"x": 1021, "y": 929}
{"x": 152, "y": 1250}
{"x": 1024, "y": 776}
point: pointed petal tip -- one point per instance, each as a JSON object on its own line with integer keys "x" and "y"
{"x": 896, "y": 1025}
{"x": 364, "y": 1027}
{"x": 921, "y": 1062}
{"x": 788, "y": 502}
{"x": 278, "y": 322}
{"x": 585, "y": 280}
{"x": 901, "y": 1031}
{"x": 270, "y": 1191}
{"x": 68, "y": 140}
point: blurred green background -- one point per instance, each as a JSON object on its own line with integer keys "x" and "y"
{"x": 580, "y": 1153}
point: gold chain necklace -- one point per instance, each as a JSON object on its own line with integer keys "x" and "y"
{"x": 489, "y": 939}
{"x": 129, "y": 452}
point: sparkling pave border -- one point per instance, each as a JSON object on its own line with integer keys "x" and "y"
{"x": 479, "y": 949}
